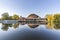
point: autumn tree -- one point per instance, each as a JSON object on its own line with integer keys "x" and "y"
{"x": 50, "y": 20}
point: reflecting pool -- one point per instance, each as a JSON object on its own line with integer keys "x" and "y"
{"x": 24, "y": 32}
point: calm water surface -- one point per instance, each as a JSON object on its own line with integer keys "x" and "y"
{"x": 24, "y": 32}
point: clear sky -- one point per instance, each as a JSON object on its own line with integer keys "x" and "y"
{"x": 26, "y": 7}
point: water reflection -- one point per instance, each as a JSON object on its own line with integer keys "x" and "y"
{"x": 28, "y": 34}
{"x": 5, "y": 27}
{"x": 54, "y": 25}
{"x": 15, "y": 25}
{"x": 25, "y": 33}
{"x": 32, "y": 24}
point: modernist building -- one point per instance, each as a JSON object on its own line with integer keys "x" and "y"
{"x": 32, "y": 16}
{"x": 33, "y": 20}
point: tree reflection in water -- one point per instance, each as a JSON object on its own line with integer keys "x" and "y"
{"x": 15, "y": 25}
{"x": 56, "y": 25}
{"x": 5, "y": 27}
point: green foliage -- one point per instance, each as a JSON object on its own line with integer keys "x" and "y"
{"x": 54, "y": 20}
{"x": 57, "y": 21}
{"x": 4, "y": 27}
{"x": 15, "y": 17}
{"x": 5, "y": 16}
{"x": 10, "y": 18}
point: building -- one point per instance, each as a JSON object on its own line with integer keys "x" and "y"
{"x": 33, "y": 20}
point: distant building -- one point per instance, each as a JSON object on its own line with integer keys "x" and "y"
{"x": 33, "y": 20}
{"x": 32, "y": 16}
{"x": 22, "y": 20}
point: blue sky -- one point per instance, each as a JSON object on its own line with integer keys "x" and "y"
{"x": 26, "y": 7}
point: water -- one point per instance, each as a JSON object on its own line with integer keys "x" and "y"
{"x": 24, "y": 32}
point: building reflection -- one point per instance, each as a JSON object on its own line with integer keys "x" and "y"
{"x": 5, "y": 27}
{"x": 32, "y": 21}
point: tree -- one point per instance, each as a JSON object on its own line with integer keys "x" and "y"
{"x": 15, "y": 17}
{"x": 57, "y": 21}
{"x": 50, "y": 20}
{"x": 10, "y": 17}
{"x": 5, "y": 16}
